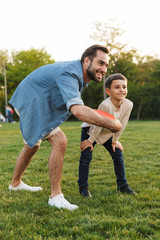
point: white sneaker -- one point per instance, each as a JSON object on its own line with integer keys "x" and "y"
{"x": 60, "y": 202}
{"x": 23, "y": 186}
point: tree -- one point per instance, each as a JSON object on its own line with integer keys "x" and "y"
{"x": 23, "y": 63}
{"x": 3, "y": 83}
{"x": 108, "y": 34}
{"x": 145, "y": 88}
{"x": 142, "y": 72}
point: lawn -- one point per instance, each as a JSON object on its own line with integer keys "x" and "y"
{"x": 108, "y": 214}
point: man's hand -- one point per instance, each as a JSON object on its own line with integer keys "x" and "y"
{"x": 86, "y": 144}
{"x": 117, "y": 145}
{"x": 116, "y": 126}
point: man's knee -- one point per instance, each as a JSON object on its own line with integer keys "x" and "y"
{"x": 58, "y": 140}
{"x": 31, "y": 150}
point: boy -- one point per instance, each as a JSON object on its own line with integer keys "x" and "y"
{"x": 120, "y": 107}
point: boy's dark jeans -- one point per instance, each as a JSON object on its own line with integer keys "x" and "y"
{"x": 86, "y": 157}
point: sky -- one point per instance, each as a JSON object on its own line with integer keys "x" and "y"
{"x": 63, "y": 27}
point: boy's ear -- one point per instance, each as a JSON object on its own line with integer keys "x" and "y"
{"x": 108, "y": 91}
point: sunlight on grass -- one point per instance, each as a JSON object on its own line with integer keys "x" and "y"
{"x": 108, "y": 215}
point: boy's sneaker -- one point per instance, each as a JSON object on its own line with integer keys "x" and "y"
{"x": 60, "y": 202}
{"x": 126, "y": 189}
{"x": 86, "y": 193}
{"x": 23, "y": 186}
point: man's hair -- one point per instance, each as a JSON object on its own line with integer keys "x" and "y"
{"x": 91, "y": 52}
{"x": 112, "y": 77}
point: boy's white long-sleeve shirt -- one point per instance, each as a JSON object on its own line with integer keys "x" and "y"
{"x": 101, "y": 135}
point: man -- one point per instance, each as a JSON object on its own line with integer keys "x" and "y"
{"x": 44, "y": 100}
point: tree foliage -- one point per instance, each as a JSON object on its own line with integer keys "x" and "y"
{"x": 142, "y": 72}
{"x": 18, "y": 66}
{"x": 23, "y": 63}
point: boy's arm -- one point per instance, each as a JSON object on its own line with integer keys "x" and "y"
{"x": 124, "y": 122}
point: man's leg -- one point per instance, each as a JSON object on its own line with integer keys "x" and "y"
{"x": 59, "y": 144}
{"x": 22, "y": 162}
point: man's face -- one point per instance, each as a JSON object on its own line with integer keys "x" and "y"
{"x": 98, "y": 66}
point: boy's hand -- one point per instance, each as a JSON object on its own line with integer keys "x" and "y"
{"x": 86, "y": 144}
{"x": 117, "y": 145}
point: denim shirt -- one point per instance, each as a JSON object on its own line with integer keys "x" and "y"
{"x": 45, "y": 96}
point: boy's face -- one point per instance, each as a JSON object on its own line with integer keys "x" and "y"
{"x": 117, "y": 90}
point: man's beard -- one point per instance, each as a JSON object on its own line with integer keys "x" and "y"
{"x": 91, "y": 74}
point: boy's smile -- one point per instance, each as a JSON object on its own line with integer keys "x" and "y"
{"x": 117, "y": 91}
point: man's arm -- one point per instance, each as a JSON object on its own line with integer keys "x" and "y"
{"x": 86, "y": 114}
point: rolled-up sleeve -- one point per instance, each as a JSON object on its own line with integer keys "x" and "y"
{"x": 74, "y": 101}
{"x": 69, "y": 86}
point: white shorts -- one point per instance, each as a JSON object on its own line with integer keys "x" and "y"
{"x": 54, "y": 131}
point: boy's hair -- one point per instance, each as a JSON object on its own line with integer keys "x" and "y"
{"x": 92, "y": 51}
{"x": 112, "y": 77}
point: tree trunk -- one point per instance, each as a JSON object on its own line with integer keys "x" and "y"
{"x": 139, "y": 111}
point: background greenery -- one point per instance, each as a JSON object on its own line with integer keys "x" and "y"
{"x": 108, "y": 215}
{"x": 142, "y": 72}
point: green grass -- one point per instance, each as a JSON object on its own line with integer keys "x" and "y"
{"x": 108, "y": 215}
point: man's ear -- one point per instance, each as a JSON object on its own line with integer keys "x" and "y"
{"x": 108, "y": 91}
{"x": 86, "y": 61}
